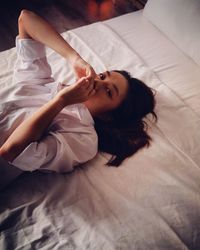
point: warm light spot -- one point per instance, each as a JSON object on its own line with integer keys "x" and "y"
{"x": 93, "y": 9}
{"x": 106, "y": 9}
{"x": 100, "y": 10}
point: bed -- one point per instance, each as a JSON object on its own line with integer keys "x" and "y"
{"x": 152, "y": 201}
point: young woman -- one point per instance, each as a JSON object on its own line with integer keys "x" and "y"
{"x": 47, "y": 126}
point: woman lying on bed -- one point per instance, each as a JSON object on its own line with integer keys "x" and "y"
{"x": 48, "y": 126}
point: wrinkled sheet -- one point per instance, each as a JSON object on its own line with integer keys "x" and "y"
{"x": 153, "y": 200}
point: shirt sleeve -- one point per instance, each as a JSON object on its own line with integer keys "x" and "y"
{"x": 58, "y": 152}
{"x": 31, "y": 65}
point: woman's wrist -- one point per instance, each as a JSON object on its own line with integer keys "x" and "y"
{"x": 73, "y": 58}
{"x": 60, "y": 101}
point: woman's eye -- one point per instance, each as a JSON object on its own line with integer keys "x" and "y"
{"x": 109, "y": 93}
{"x": 101, "y": 76}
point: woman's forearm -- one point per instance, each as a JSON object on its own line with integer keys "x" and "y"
{"x": 31, "y": 129}
{"x": 40, "y": 30}
{"x": 35, "y": 27}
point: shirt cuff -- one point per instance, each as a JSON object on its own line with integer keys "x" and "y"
{"x": 29, "y": 49}
{"x": 32, "y": 158}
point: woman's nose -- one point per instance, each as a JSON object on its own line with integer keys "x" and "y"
{"x": 100, "y": 83}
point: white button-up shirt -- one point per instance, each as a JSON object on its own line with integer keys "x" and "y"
{"x": 70, "y": 139}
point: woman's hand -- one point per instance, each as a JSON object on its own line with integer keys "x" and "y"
{"x": 82, "y": 68}
{"x": 79, "y": 92}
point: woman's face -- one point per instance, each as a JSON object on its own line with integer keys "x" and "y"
{"x": 111, "y": 89}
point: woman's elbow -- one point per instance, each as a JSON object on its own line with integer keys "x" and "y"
{"x": 3, "y": 153}
{"x": 8, "y": 154}
{"x": 24, "y": 14}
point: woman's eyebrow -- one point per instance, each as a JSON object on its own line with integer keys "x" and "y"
{"x": 108, "y": 73}
{"x": 116, "y": 89}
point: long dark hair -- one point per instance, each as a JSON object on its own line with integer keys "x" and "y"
{"x": 122, "y": 132}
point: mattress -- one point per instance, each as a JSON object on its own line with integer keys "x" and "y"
{"x": 152, "y": 201}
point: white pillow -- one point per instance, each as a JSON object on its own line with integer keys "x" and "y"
{"x": 179, "y": 20}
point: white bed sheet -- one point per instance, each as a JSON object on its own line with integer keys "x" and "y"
{"x": 153, "y": 200}
{"x": 174, "y": 68}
